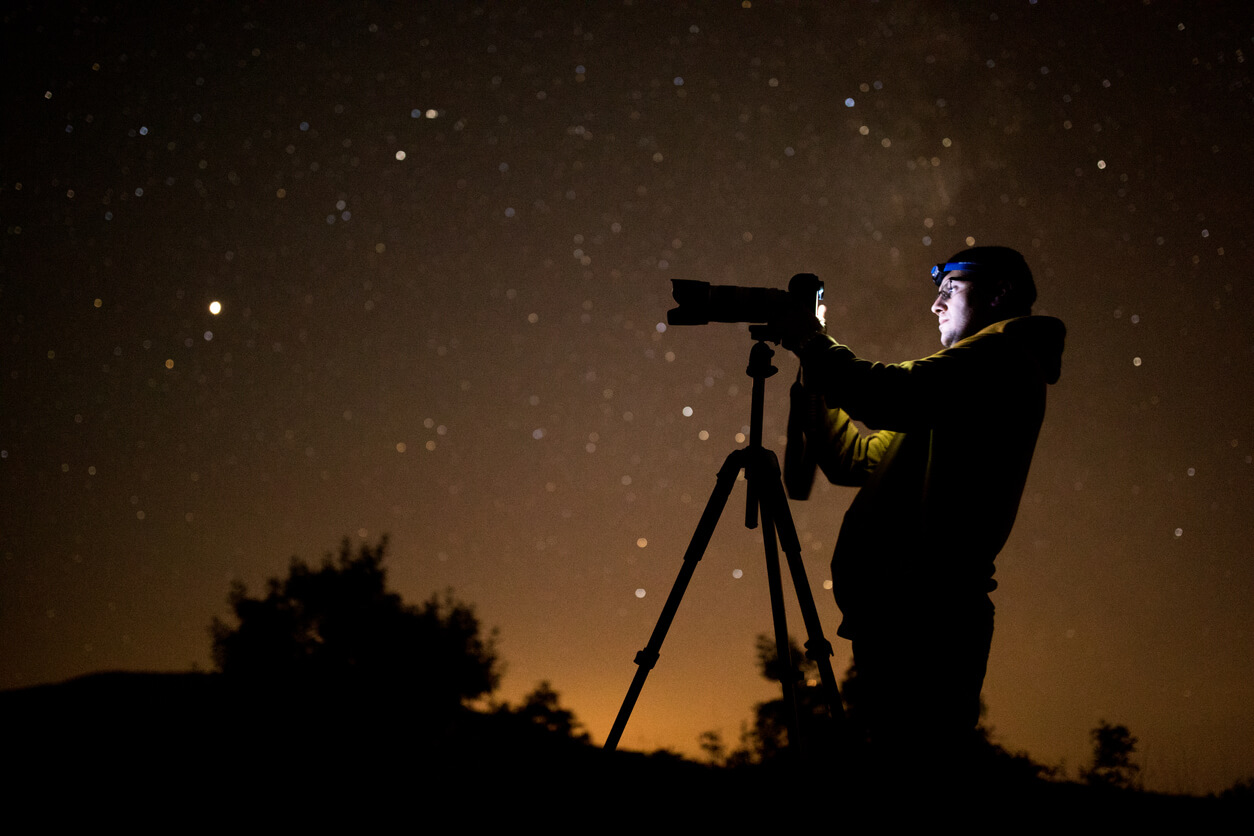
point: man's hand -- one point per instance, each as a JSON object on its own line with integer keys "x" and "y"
{"x": 795, "y": 327}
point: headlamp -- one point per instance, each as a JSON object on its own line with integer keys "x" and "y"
{"x": 939, "y": 271}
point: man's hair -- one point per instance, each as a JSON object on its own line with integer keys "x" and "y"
{"x": 1005, "y": 264}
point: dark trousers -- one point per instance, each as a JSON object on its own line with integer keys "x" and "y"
{"x": 919, "y": 675}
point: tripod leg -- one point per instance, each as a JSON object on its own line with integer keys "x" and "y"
{"x": 780, "y": 620}
{"x": 647, "y": 658}
{"x": 818, "y": 648}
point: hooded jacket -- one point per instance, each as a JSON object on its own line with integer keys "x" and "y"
{"x": 942, "y": 477}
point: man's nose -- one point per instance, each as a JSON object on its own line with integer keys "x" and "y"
{"x": 939, "y": 304}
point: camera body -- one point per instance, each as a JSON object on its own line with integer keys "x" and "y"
{"x": 701, "y": 303}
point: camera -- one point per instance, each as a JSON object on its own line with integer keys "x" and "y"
{"x": 701, "y": 303}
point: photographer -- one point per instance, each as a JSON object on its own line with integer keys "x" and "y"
{"x": 940, "y": 483}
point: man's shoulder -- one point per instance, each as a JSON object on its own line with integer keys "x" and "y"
{"x": 1036, "y": 328}
{"x": 1034, "y": 340}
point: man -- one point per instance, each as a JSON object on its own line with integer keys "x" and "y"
{"x": 940, "y": 482}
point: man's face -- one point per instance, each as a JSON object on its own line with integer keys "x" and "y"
{"x": 958, "y": 312}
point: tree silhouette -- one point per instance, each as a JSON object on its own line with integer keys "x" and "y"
{"x": 769, "y": 735}
{"x": 542, "y": 709}
{"x": 1113, "y": 747}
{"x": 712, "y": 745}
{"x": 339, "y": 624}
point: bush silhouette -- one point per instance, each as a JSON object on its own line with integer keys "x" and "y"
{"x": 339, "y": 625}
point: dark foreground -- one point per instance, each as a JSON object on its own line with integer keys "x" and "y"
{"x": 193, "y": 749}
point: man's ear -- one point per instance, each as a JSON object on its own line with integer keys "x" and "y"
{"x": 998, "y": 293}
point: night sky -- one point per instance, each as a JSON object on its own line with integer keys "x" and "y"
{"x": 442, "y": 236}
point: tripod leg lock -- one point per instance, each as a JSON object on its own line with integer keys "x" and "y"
{"x": 816, "y": 650}
{"x": 646, "y": 659}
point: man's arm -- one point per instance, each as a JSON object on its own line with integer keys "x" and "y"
{"x": 943, "y": 388}
{"x": 845, "y": 456}
{"x": 829, "y": 439}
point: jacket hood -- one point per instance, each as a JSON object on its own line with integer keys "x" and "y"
{"x": 1040, "y": 337}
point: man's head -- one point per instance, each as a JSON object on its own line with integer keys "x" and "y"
{"x": 980, "y": 286}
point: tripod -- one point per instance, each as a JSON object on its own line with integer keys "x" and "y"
{"x": 765, "y": 494}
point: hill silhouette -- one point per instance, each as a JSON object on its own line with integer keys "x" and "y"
{"x": 163, "y": 747}
{"x": 336, "y": 704}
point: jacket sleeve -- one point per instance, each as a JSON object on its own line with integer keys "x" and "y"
{"x": 831, "y": 440}
{"x": 845, "y": 456}
{"x": 946, "y": 388}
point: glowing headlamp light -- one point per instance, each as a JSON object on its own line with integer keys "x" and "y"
{"x": 940, "y": 270}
